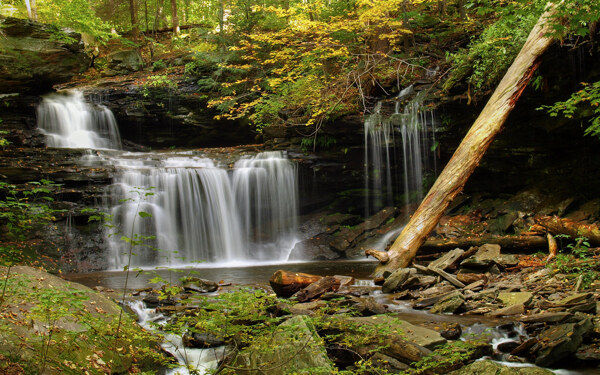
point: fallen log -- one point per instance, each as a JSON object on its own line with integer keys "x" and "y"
{"x": 286, "y": 283}
{"x": 472, "y": 148}
{"x": 506, "y": 242}
{"x": 574, "y": 229}
{"x": 552, "y": 247}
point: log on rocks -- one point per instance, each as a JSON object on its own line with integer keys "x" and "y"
{"x": 318, "y": 288}
{"x": 286, "y": 283}
{"x": 506, "y": 242}
{"x": 472, "y": 148}
{"x": 557, "y": 225}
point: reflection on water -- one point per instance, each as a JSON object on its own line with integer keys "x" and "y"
{"x": 248, "y": 275}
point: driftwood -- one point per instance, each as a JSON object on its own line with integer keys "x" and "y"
{"x": 286, "y": 283}
{"x": 556, "y": 225}
{"x": 506, "y": 242}
{"x": 381, "y": 256}
{"x": 472, "y": 148}
{"x": 552, "y": 247}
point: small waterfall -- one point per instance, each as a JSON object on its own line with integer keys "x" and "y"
{"x": 69, "y": 122}
{"x": 416, "y": 126}
{"x": 202, "y": 212}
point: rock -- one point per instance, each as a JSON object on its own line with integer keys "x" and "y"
{"x": 483, "y": 258}
{"x": 506, "y": 260}
{"x": 294, "y": 346}
{"x": 383, "y": 361}
{"x": 447, "y": 260}
{"x": 573, "y": 299}
{"x": 451, "y": 331}
{"x": 315, "y": 248}
{"x": 508, "y": 346}
{"x": 515, "y": 298}
{"x": 36, "y": 301}
{"x": 346, "y": 236}
{"x": 449, "y": 304}
{"x": 558, "y": 342}
{"x": 515, "y": 309}
{"x": 470, "y": 278}
{"x": 550, "y": 317}
{"x": 202, "y": 340}
{"x": 198, "y": 285}
{"x": 588, "y": 353}
{"x": 368, "y": 306}
{"x": 451, "y": 278}
{"x": 307, "y": 308}
{"x": 316, "y": 289}
{"x": 420, "y": 336}
{"x": 396, "y": 279}
{"x": 487, "y": 367}
{"x": 437, "y": 290}
{"x": 36, "y": 56}
{"x": 126, "y": 61}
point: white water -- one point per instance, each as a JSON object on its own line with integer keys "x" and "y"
{"x": 203, "y": 212}
{"x": 416, "y": 128}
{"x": 192, "y": 361}
{"x": 69, "y": 122}
{"x": 194, "y": 210}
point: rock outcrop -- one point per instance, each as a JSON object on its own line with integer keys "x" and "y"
{"x": 36, "y": 56}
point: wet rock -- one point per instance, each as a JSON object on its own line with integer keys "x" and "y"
{"x": 588, "y": 352}
{"x": 487, "y": 367}
{"x": 294, "y": 346}
{"x": 315, "y": 248}
{"x": 347, "y": 236}
{"x": 198, "y": 285}
{"x": 437, "y": 290}
{"x": 507, "y": 346}
{"x": 451, "y": 331}
{"x": 449, "y": 304}
{"x": 368, "y": 306}
{"x": 515, "y": 298}
{"x": 307, "y": 308}
{"x": 524, "y": 348}
{"x": 317, "y": 288}
{"x": 389, "y": 363}
{"x": 558, "y": 342}
{"x": 202, "y": 340}
{"x": 154, "y": 299}
{"x": 395, "y": 280}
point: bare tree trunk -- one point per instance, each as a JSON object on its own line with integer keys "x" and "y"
{"x": 472, "y": 148}
{"x": 146, "y": 14}
{"x": 134, "y": 20}
{"x": 34, "y": 10}
{"x": 174, "y": 17}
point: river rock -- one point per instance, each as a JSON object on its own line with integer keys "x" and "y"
{"x": 487, "y": 367}
{"x": 395, "y": 280}
{"x": 515, "y": 298}
{"x": 198, "y": 285}
{"x": 293, "y": 347}
{"x": 558, "y": 342}
{"x": 36, "y": 56}
{"x": 202, "y": 340}
{"x": 483, "y": 258}
{"x": 515, "y": 309}
{"x": 447, "y": 260}
{"x": 449, "y": 304}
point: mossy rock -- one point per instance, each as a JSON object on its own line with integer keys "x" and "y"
{"x": 52, "y": 326}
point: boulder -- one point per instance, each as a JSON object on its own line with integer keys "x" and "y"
{"x": 483, "y": 258}
{"x": 395, "y": 280}
{"x": 449, "y": 304}
{"x": 293, "y": 347}
{"x": 558, "y": 342}
{"x": 487, "y": 367}
{"x": 36, "y": 56}
{"x": 515, "y": 298}
{"x": 198, "y": 285}
{"x": 125, "y": 61}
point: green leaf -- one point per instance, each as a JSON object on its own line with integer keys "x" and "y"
{"x": 144, "y": 214}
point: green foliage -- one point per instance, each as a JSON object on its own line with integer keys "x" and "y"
{"x": 447, "y": 356}
{"x": 489, "y": 55}
{"x": 583, "y": 103}
{"x": 322, "y": 143}
{"x": 158, "y": 84}
{"x": 576, "y": 259}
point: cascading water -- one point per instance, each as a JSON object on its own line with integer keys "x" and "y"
{"x": 69, "y": 122}
{"x": 416, "y": 126}
{"x": 197, "y": 210}
{"x": 201, "y": 212}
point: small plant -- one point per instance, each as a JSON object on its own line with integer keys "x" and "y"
{"x": 158, "y": 65}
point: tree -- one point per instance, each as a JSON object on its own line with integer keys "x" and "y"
{"x": 134, "y": 19}
{"x": 174, "y": 17}
{"x": 472, "y": 148}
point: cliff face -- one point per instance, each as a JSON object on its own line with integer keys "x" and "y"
{"x": 36, "y": 56}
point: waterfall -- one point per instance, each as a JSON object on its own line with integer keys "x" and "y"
{"x": 383, "y": 179}
{"x": 69, "y": 122}
{"x": 202, "y": 212}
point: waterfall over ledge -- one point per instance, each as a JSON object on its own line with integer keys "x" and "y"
{"x": 179, "y": 208}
